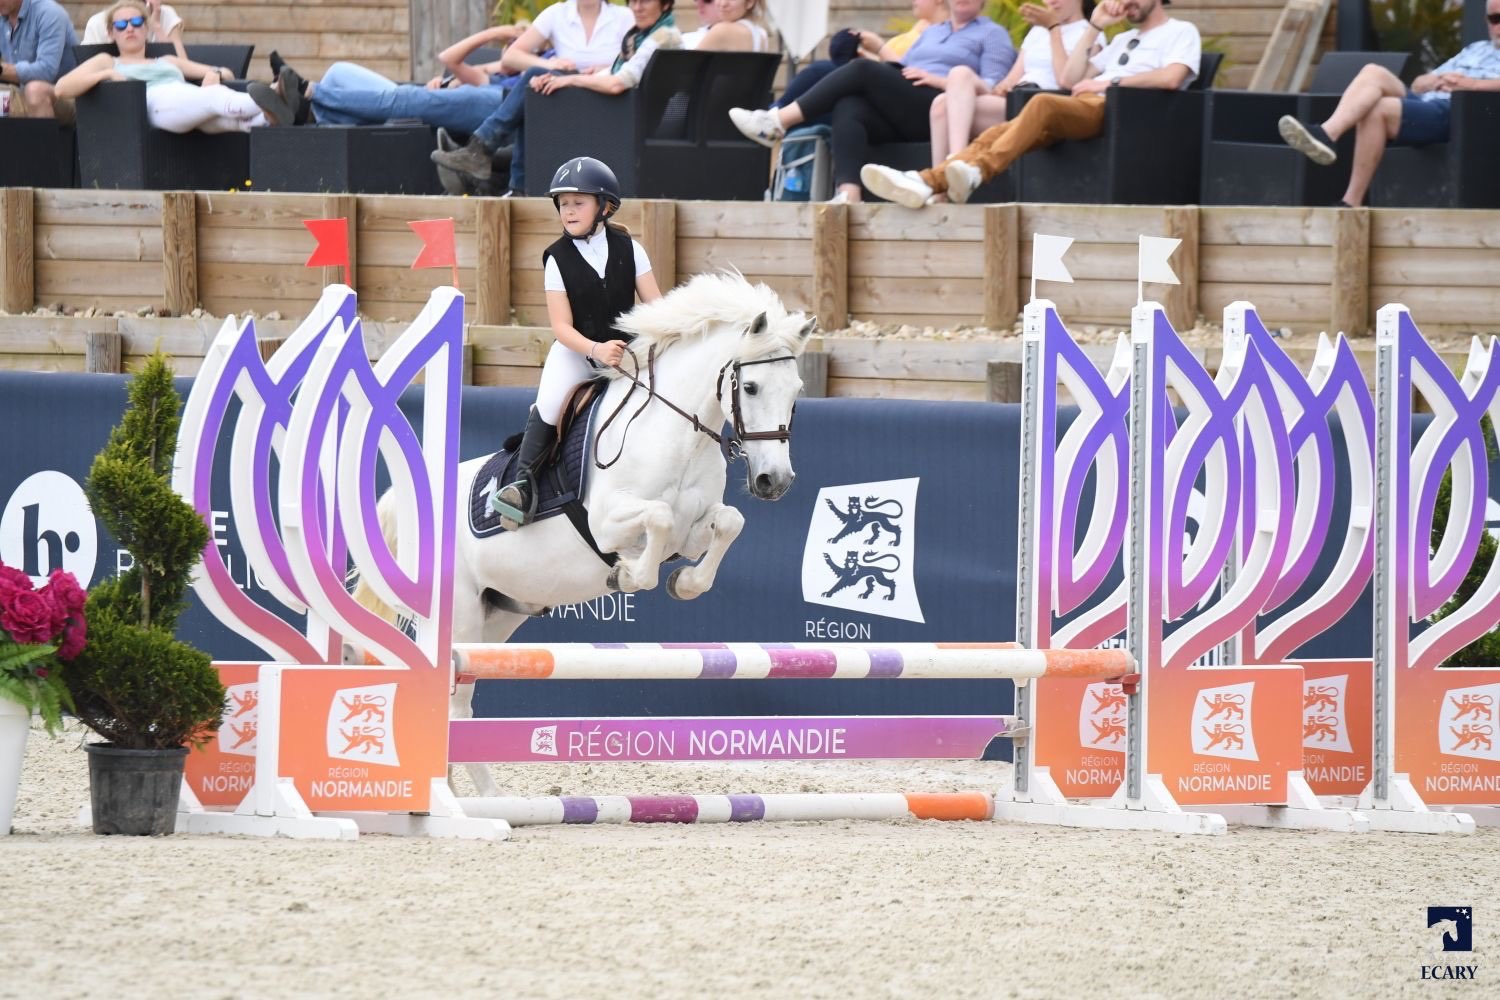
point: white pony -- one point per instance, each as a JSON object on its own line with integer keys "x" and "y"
{"x": 723, "y": 349}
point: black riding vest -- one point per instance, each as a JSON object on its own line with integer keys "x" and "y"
{"x": 597, "y": 302}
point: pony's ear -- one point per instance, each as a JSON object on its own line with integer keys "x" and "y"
{"x": 808, "y": 328}
{"x": 758, "y": 325}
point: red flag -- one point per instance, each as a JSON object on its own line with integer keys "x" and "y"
{"x": 438, "y": 248}
{"x": 333, "y": 243}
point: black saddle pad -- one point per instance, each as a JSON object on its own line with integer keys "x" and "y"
{"x": 559, "y": 484}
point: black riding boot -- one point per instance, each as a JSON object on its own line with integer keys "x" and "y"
{"x": 516, "y": 502}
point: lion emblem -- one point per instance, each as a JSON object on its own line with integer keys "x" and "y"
{"x": 872, "y": 568}
{"x": 868, "y": 514}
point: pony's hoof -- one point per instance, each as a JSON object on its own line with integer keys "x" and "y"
{"x": 672, "y": 585}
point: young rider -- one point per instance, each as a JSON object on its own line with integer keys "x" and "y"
{"x": 593, "y": 275}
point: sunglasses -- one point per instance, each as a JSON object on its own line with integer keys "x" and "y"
{"x": 1129, "y": 48}
{"x": 129, "y": 22}
{"x": 1492, "y": 18}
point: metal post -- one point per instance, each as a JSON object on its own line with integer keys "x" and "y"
{"x": 1386, "y": 540}
{"x": 1137, "y": 555}
{"x": 1028, "y": 625}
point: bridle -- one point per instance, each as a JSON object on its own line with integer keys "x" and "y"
{"x": 732, "y": 446}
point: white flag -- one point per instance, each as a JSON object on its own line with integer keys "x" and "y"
{"x": 1155, "y": 260}
{"x": 1047, "y": 258}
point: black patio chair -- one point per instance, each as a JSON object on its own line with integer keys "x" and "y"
{"x": 669, "y": 137}
{"x": 1245, "y": 161}
{"x": 1148, "y": 154}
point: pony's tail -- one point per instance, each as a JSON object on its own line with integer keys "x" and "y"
{"x": 364, "y": 594}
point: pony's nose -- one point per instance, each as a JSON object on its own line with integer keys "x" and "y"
{"x": 763, "y": 484}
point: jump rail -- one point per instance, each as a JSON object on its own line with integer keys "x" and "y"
{"x": 784, "y": 808}
{"x": 759, "y": 661}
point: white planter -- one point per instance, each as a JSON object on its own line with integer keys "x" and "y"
{"x": 15, "y": 724}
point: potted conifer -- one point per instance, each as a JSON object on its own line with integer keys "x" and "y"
{"x": 147, "y": 694}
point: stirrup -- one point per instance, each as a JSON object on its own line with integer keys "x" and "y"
{"x": 511, "y": 516}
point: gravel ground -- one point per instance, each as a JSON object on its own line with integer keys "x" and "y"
{"x": 837, "y": 909}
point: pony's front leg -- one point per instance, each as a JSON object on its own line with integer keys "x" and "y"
{"x": 721, "y": 525}
{"x": 461, "y": 706}
{"x": 630, "y": 521}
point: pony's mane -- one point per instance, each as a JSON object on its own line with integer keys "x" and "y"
{"x": 707, "y": 301}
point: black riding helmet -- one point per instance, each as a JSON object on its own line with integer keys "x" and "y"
{"x": 586, "y": 175}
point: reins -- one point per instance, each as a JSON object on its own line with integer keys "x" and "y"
{"x": 732, "y": 447}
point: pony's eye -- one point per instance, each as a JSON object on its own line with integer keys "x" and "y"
{"x": 751, "y": 388}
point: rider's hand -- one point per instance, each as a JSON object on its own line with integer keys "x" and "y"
{"x": 608, "y": 354}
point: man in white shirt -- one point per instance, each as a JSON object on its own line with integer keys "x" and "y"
{"x": 1381, "y": 111}
{"x": 1159, "y": 52}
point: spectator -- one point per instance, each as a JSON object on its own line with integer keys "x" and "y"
{"x": 1382, "y": 111}
{"x": 876, "y": 102}
{"x": 584, "y": 34}
{"x": 708, "y": 16}
{"x": 36, "y": 49}
{"x": 852, "y": 43}
{"x": 457, "y": 72}
{"x": 738, "y": 28}
{"x": 172, "y": 103}
{"x": 162, "y": 25}
{"x": 654, "y": 30}
{"x": 963, "y": 111}
{"x": 1159, "y": 53}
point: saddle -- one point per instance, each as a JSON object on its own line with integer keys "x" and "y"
{"x": 562, "y": 478}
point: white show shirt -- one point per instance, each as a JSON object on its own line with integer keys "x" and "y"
{"x": 96, "y": 31}
{"x": 1173, "y": 42}
{"x": 1036, "y": 52}
{"x": 561, "y": 25}
{"x": 595, "y": 250}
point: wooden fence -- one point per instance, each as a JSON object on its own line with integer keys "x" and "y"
{"x": 1307, "y": 269}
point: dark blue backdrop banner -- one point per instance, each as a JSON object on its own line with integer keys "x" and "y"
{"x": 901, "y": 527}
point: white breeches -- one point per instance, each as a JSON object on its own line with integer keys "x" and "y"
{"x": 564, "y": 369}
{"x": 182, "y": 107}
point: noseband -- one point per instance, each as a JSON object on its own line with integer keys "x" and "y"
{"x": 733, "y": 446}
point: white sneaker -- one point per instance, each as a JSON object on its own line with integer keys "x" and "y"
{"x": 904, "y": 187}
{"x": 963, "y": 178}
{"x": 842, "y": 198}
{"x": 757, "y": 124}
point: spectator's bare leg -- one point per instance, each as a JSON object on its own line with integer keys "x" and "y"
{"x": 1372, "y": 85}
{"x": 790, "y": 116}
{"x": 1371, "y": 135}
{"x": 38, "y": 96}
{"x": 937, "y": 123}
{"x": 964, "y": 88}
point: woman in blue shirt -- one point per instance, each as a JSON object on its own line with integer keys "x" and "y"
{"x": 879, "y": 102}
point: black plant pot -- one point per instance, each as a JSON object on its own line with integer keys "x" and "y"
{"x": 134, "y": 792}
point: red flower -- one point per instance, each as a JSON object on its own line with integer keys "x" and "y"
{"x": 64, "y": 590}
{"x": 12, "y": 582}
{"x": 27, "y": 616}
{"x": 73, "y": 639}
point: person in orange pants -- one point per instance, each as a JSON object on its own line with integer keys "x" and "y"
{"x": 1158, "y": 52}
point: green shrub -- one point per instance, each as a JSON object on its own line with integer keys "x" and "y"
{"x": 134, "y": 684}
{"x": 515, "y": 11}
{"x": 1432, "y": 29}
